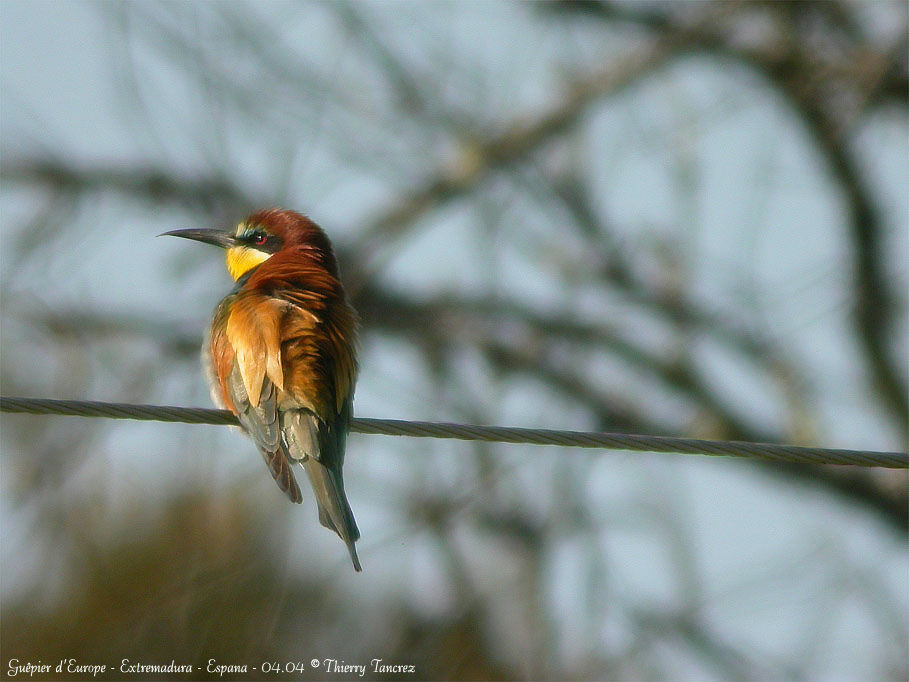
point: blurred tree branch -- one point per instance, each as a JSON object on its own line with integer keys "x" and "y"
{"x": 153, "y": 185}
{"x": 829, "y": 95}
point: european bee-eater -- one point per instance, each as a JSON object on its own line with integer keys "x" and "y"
{"x": 281, "y": 354}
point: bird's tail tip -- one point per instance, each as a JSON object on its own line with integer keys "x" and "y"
{"x": 353, "y": 556}
{"x": 334, "y": 510}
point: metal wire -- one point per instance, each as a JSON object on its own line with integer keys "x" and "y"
{"x": 496, "y": 434}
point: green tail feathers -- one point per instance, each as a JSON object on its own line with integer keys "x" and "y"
{"x": 319, "y": 447}
{"x": 334, "y": 510}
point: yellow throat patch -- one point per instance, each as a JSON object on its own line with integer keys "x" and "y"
{"x": 242, "y": 259}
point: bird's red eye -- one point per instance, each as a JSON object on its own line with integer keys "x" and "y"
{"x": 260, "y": 239}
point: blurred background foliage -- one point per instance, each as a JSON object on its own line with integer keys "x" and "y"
{"x": 665, "y": 218}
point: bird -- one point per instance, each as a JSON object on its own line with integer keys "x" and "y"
{"x": 281, "y": 354}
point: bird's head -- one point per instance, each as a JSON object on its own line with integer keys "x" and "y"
{"x": 262, "y": 235}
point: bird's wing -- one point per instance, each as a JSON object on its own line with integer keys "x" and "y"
{"x": 261, "y": 422}
{"x": 244, "y": 352}
{"x": 254, "y": 332}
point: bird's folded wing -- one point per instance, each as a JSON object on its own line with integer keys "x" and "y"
{"x": 254, "y": 332}
{"x": 261, "y": 422}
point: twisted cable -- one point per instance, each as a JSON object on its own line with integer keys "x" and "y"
{"x": 495, "y": 434}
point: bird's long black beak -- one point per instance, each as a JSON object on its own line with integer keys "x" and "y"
{"x": 220, "y": 238}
